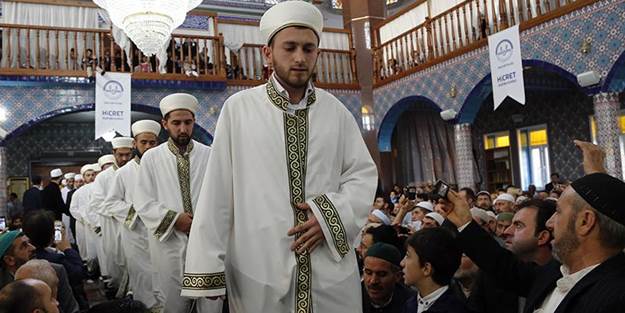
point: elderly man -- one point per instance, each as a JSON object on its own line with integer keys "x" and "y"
{"x": 589, "y": 238}
{"x": 504, "y": 203}
{"x": 383, "y": 290}
{"x": 290, "y": 184}
{"x": 483, "y": 200}
{"x": 28, "y": 296}
{"x": 119, "y": 204}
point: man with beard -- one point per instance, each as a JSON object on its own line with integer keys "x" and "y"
{"x": 166, "y": 195}
{"x": 134, "y": 236}
{"x": 289, "y": 187}
{"x": 114, "y": 260}
{"x": 589, "y": 237}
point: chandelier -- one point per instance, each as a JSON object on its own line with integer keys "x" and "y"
{"x": 148, "y": 23}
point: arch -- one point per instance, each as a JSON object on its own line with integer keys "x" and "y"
{"x": 483, "y": 89}
{"x": 88, "y": 107}
{"x": 615, "y": 80}
{"x": 387, "y": 126}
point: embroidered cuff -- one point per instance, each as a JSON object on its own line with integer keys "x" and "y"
{"x": 332, "y": 226}
{"x": 131, "y": 218}
{"x": 167, "y": 224}
{"x": 203, "y": 284}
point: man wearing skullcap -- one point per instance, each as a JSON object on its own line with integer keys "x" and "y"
{"x": 111, "y": 255}
{"x": 588, "y": 241}
{"x": 290, "y": 184}
{"x": 504, "y": 203}
{"x": 504, "y": 219}
{"x": 483, "y": 200}
{"x": 383, "y": 290}
{"x": 166, "y": 199}
{"x": 134, "y": 235}
{"x": 51, "y": 197}
{"x": 86, "y": 223}
{"x": 69, "y": 185}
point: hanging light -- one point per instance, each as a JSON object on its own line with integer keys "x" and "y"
{"x": 148, "y": 23}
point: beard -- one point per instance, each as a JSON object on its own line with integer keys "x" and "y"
{"x": 182, "y": 140}
{"x": 294, "y": 82}
{"x": 563, "y": 248}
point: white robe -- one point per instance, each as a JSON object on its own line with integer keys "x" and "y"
{"x": 244, "y": 211}
{"x": 112, "y": 256}
{"x": 158, "y": 201}
{"x": 134, "y": 235}
{"x": 91, "y": 224}
{"x": 79, "y": 202}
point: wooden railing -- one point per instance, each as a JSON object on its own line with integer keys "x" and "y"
{"x": 460, "y": 29}
{"x": 335, "y": 68}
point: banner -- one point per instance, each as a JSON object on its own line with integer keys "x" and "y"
{"x": 506, "y": 66}
{"x": 112, "y": 104}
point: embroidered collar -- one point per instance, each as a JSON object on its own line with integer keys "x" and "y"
{"x": 427, "y": 301}
{"x": 174, "y": 149}
{"x": 280, "y": 97}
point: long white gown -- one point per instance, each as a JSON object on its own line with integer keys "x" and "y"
{"x": 79, "y": 202}
{"x": 267, "y": 156}
{"x": 160, "y": 196}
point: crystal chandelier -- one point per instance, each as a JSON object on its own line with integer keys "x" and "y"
{"x": 148, "y": 23}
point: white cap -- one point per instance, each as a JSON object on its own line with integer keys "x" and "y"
{"x": 95, "y": 167}
{"x": 437, "y": 217}
{"x": 426, "y": 205}
{"x": 56, "y": 173}
{"x": 146, "y": 126}
{"x": 69, "y": 175}
{"x": 491, "y": 215}
{"x": 122, "y": 142}
{"x": 521, "y": 199}
{"x": 290, "y": 13}
{"x": 106, "y": 159}
{"x": 85, "y": 168}
{"x": 479, "y": 213}
{"x": 505, "y": 197}
{"x": 380, "y": 215}
{"x": 179, "y": 101}
{"x": 78, "y": 177}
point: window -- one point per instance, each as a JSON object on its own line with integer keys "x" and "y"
{"x": 496, "y": 140}
{"x": 367, "y": 118}
{"x": 534, "y": 156}
{"x": 621, "y": 123}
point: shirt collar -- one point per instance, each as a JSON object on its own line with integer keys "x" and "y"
{"x": 427, "y": 301}
{"x": 568, "y": 280}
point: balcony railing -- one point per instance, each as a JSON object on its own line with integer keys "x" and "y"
{"x": 460, "y": 29}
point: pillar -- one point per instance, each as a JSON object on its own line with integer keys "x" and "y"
{"x": 607, "y": 106}
{"x": 465, "y": 175}
{"x": 3, "y": 181}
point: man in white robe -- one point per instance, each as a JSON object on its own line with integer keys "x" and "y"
{"x": 168, "y": 186}
{"x": 93, "y": 232}
{"x": 69, "y": 185}
{"x": 79, "y": 201}
{"x": 119, "y": 204}
{"x": 290, "y": 184}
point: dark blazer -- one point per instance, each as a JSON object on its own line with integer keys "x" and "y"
{"x": 448, "y": 302}
{"x": 31, "y": 200}
{"x": 53, "y": 201}
{"x": 600, "y": 291}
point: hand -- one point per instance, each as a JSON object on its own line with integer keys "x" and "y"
{"x": 594, "y": 157}
{"x": 457, "y": 209}
{"x": 310, "y": 232}
{"x": 183, "y": 222}
{"x": 64, "y": 243}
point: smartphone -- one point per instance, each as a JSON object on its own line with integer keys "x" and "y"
{"x": 441, "y": 189}
{"x": 58, "y": 227}
{"x": 3, "y": 223}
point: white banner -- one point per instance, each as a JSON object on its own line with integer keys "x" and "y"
{"x": 112, "y": 104}
{"x": 506, "y": 66}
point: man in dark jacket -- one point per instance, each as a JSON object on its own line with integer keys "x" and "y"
{"x": 31, "y": 200}
{"x": 589, "y": 238}
{"x": 51, "y": 197}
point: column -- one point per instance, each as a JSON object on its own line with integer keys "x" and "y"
{"x": 3, "y": 181}
{"x": 607, "y": 108}
{"x": 465, "y": 176}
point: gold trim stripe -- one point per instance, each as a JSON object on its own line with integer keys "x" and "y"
{"x": 164, "y": 225}
{"x": 204, "y": 281}
{"x": 130, "y": 217}
{"x": 335, "y": 225}
{"x": 184, "y": 173}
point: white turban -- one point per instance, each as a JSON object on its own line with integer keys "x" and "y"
{"x": 56, "y": 173}
{"x": 290, "y": 13}
{"x": 95, "y": 167}
{"x": 78, "y": 177}
{"x": 85, "y": 168}
{"x": 381, "y": 216}
{"x": 437, "y": 217}
{"x": 146, "y": 126}
{"x": 505, "y": 197}
{"x": 105, "y": 159}
{"x": 69, "y": 175}
{"x": 425, "y": 205}
{"x": 179, "y": 101}
{"x": 122, "y": 142}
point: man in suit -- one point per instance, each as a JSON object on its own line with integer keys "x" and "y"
{"x": 589, "y": 237}
{"x": 31, "y": 200}
{"x": 51, "y": 197}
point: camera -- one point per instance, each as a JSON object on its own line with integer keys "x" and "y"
{"x": 440, "y": 190}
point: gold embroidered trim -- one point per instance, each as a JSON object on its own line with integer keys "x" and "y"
{"x": 296, "y": 145}
{"x": 164, "y": 225}
{"x": 184, "y": 176}
{"x": 130, "y": 217}
{"x": 204, "y": 281}
{"x": 335, "y": 225}
{"x": 283, "y": 102}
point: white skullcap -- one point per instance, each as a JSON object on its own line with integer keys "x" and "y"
{"x": 380, "y": 215}
{"x": 105, "y": 159}
{"x": 290, "y": 13}
{"x": 437, "y": 217}
{"x": 122, "y": 142}
{"x": 85, "y": 168}
{"x": 491, "y": 215}
{"x": 426, "y": 205}
{"x": 56, "y": 173}
{"x": 521, "y": 199}
{"x": 95, "y": 167}
{"x": 146, "y": 126}
{"x": 505, "y": 197}
{"x": 69, "y": 175}
{"x": 179, "y": 101}
{"x": 78, "y": 177}
{"x": 479, "y": 213}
